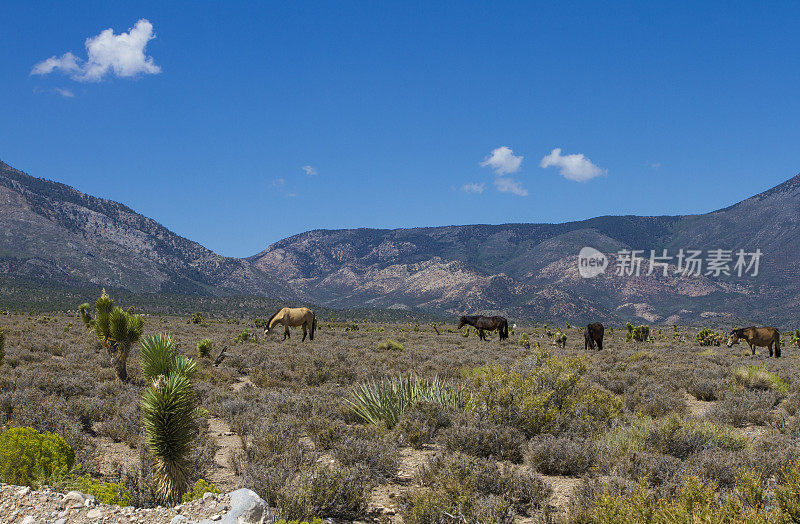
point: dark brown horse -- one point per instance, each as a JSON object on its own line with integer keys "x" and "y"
{"x": 593, "y": 334}
{"x": 482, "y": 324}
{"x": 758, "y": 336}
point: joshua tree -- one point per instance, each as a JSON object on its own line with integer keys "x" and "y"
{"x": 168, "y": 413}
{"x": 116, "y": 329}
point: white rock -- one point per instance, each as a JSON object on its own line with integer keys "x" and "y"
{"x": 179, "y": 519}
{"x": 30, "y": 519}
{"x": 74, "y": 499}
{"x": 94, "y": 513}
{"x": 60, "y": 521}
{"x": 215, "y": 517}
{"x": 24, "y": 491}
{"x": 207, "y": 495}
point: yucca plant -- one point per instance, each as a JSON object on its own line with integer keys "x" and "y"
{"x": 168, "y": 413}
{"x": 116, "y": 329}
{"x": 386, "y": 400}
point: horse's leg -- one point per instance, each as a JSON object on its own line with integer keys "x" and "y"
{"x": 481, "y": 334}
{"x": 770, "y": 348}
{"x": 304, "y": 332}
{"x": 753, "y": 348}
{"x": 600, "y": 345}
{"x": 287, "y": 333}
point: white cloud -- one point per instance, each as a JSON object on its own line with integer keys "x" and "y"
{"x": 509, "y": 185}
{"x": 503, "y": 161}
{"x": 279, "y": 182}
{"x": 473, "y": 187}
{"x": 572, "y": 167}
{"x": 655, "y": 165}
{"x": 309, "y": 170}
{"x": 66, "y": 93}
{"x": 121, "y": 55}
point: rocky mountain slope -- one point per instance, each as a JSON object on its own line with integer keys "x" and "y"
{"x": 531, "y": 271}
{"x": 54, "y": 233}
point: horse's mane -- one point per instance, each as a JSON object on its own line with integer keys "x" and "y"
{"x": 273, "y": 316}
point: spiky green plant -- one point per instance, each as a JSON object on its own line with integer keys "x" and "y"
{"x": 168, "y": 413}
{"x": 86, "y": 316}
{"x": 116, "y": 329}
{"x": 386, "y": 400}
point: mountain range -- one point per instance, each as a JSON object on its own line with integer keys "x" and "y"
{"x": 54, "y": 234}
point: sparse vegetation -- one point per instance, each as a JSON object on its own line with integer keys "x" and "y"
{"x": 638, "y": 333}
{"x": 204, "y": 348}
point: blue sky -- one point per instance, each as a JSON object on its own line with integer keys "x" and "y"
{"x": 398, "y": 107}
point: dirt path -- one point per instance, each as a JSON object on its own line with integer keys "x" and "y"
{"x": 228, "y": 444}
{"x": 385, "y": 499}
{"x": 697, "y": 408}
{"x": 563, "y": 488}
{"x": 116, "y": 455}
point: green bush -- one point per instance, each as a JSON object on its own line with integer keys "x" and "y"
{"x": 200, "y": 488}
{"x": 547, "y": 398}
{"x": 28, "y": 457}
{"x": 706, "y": 337}
{"x": 244, "y": 336}
{"x": 390, "y": 344}
{"x": 104, "y": 492}
{"x": 386, "y": 400}
{"x": 756, "y": 377}
{"x": 204, "y": 348}
{"x": 197, "y": 318}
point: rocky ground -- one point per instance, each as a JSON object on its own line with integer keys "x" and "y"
{"x": 22, "y": 505}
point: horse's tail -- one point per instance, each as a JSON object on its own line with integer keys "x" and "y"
{"x": 778, "y": 345}
{"x": 313, "y": 325}
{"x": 504, "y": 330}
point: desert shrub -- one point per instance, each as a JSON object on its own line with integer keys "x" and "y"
{"x": 104, "y": 492}
{"x": 459, "y": 484}
{"x": 244, "y": 336}
{"x": 694, "y": 501}
{"x": 787, "y": 492}
{"x": 483, "y": 439}
{"x": 672, "y": 436}
{"x": 200, "y": 488}
{"x": 386, "y": 400}
{"x": 705, "y": 386}
{"x": 28, "y": 457}
{"x": 756, "y": 377}
{"x": 638, "y": 333}
{"x": 340, "y": 492}
{"x": 561, "y": 455}
{"x": 648, "y": 397}
{"x": 197, "y": 318}
{"x": 546, "y": 396}
{"x": 741, "y": 407}
{"x": 379, "y": 456}
{"x": 560, "y": 339}
{"x": 419, "y": 424}
{"x": 324, "y": 432}
{"x": 204, "y": 348}
{"x": 391, "y": 345}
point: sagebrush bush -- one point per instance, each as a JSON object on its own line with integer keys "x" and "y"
{"x": 651, "y": 398}
{"x": 379, "y": 456}
{"x": 339, "y": 492}
{"x": 28, "y": 457}
{"x": 561, "y": 455}
{"x": 460, "y": 484}
{"x": 547, "y": 396}
{"x": 483, "y": 439}
{"x": 420, "y": 424}
{"x": 742, "y": 407}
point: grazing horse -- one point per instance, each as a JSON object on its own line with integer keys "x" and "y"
{"x": 762, "y": 337}
{"x": 482, "y": 323}
{"x": 293, "y": 316}
{"x": 593, "y": 334}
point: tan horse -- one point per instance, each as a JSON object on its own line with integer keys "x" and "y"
{"x": 762, "y": 337}
{"x": 293, "y": 316}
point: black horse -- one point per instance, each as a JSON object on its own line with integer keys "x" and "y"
{"x": 482, "y": 323}
{"x": 593, "y": 333}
